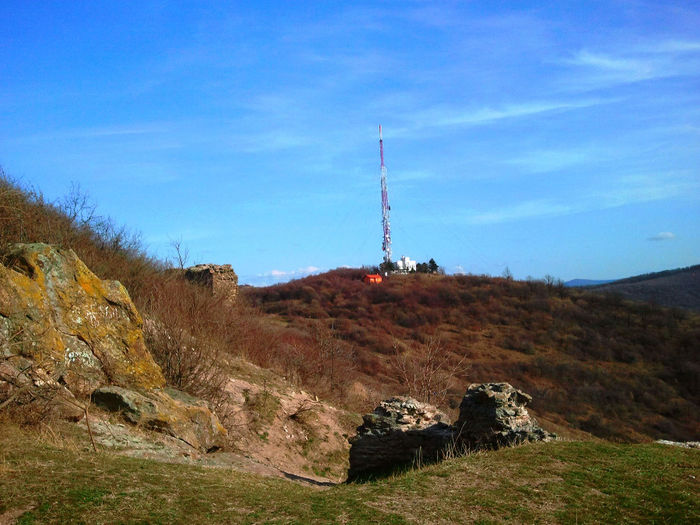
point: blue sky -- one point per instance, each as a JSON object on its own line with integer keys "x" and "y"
{"x": 557, "y": 138}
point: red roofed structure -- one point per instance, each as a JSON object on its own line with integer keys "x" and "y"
{"x": 372, "y": 278}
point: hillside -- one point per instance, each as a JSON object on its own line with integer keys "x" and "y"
{"x": 289, "y": 368}
{"x": 672, "y": 288}
{"x": 205, "y": 346}
{"x": 593, "y": 362}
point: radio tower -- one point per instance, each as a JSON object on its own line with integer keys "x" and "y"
{"x": 386, "y": 226}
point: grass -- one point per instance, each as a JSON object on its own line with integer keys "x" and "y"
{"x": 566, "y": 482}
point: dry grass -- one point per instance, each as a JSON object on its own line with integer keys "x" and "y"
{"x": 566, "y": 482}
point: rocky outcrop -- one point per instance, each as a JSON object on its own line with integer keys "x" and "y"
{"x": 220, "y": 280}
{"x": 66, "y": 334}
{"x": 402, "y": 431}
{"x": 493, "y": 415}
{"x": 83, "y": 331}
{"x": 169, "y": 410}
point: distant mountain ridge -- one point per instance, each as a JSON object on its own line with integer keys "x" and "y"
{"x": 674, "y": 288}
{"x": 586, "y": 282}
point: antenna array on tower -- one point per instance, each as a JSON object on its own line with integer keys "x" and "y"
{"x": 386, "y": 226}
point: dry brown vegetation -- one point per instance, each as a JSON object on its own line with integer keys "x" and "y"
{"x": 617, "y": 369}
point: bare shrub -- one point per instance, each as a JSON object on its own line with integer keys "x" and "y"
{"x": 428, "y": 372}
{"x": 186, "y": 331}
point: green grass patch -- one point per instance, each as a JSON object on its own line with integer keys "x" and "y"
{"x": 568, "y": 482}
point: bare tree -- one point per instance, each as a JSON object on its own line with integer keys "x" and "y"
{"x": 182, "y": 253}
{"x": 78, "y": 207}
{"x": 335, "y": 356}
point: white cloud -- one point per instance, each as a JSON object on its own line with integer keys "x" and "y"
{"x": 299, "y": 271}
{"x": 270, "y": 140}
{"x": 662, "y": 236}
{"x": 599, "y": 69}
{"x": 147, "y": 128}
{"x": 625, "y": 190}
{"x": 279, "y": 276}
{"x": 523, "y": 210}
{"x": 602, "y": 61}
{"x": 674, "y": 46}
{"x": 647, "y": 188}
{"x": 544, "y": 161}
{"x": 450, "y": 116}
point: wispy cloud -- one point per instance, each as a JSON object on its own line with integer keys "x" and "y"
{"x": 99, "y": 132}
{"x": 269, "y": 140}
{"x": 626, "y": 190}
{"x": 523, "y": 210}
{"x": 641, "y": 188}
{"x": 408, "y": 176}
{"x": 450, "y": 116}
{"x": 662, "y": 236}
{"x": 604, "y": 68}
{"x": 543, "y": 161}
{"x": 186, "y": 235}
{"x": 279, "y": 276}
{"x": 282, "y": 274}
{"x": 673, "y": 46}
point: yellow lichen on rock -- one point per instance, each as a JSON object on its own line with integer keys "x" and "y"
{"x": 57, "y": 308}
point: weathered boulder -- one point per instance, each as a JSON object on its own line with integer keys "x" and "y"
{"x": 400, "y": 431}
{"x": 65, "y": 333}
{"x": 80, "y": 329}
{"x": 219, "y": 279}
{"x": 493, "y": 415}
{"x": 168, "y": 410}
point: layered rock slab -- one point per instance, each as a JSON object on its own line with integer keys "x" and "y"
{"x": 493, "y": 415}
{"x": 170, "y": 411}
{"x": 219, "y": 279}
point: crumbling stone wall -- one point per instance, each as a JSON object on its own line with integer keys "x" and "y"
{"x": 221, "y": 280}
{"x": 403, "y": 431}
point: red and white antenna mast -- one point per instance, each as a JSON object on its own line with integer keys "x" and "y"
{"x": 386, "y": 226}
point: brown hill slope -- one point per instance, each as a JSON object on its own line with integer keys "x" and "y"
{"x": 201, "y": 341}
{"x": 674, "y": 288}
{"x": 617, "y": 369}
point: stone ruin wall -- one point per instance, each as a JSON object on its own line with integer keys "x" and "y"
{"x": 220, "y": 280}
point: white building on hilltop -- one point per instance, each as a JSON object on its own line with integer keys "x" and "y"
{"x": 405, "y": 264}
